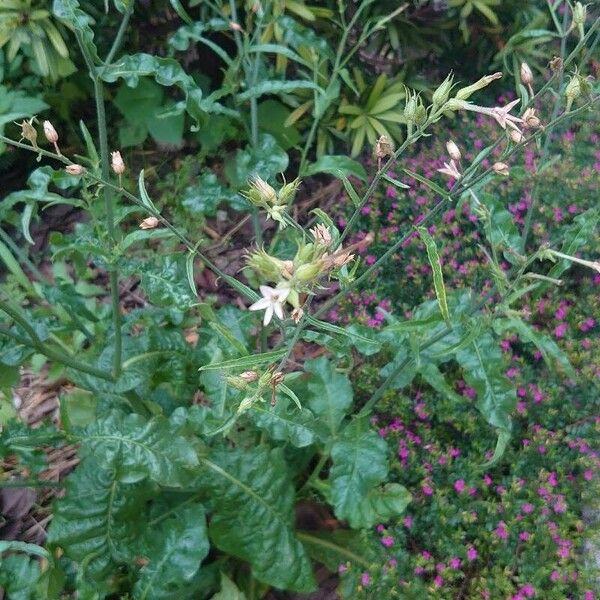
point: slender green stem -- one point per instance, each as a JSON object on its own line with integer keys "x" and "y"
{"x": 108, "y": 205}
{"x": 315, "y": 472}
{"x": 120, "y": 33}
{"x": 21, "y": 255}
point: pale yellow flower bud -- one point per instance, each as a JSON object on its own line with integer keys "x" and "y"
{"x": 321, "y": 234}
{"x": 501, "y": 168}
{"x": 297, "y": 314}
{"x": 530, "y": 119}
{"x": 516, "y": 136}
{"x": 466, "y": 92}
{"x": 117, "y": 164}
{"x": 453, "y": 150}
{"x": 249, "y": 376}
{"x": 74, "y": 169}
{"x": 50, "y": 132}
{"x": 149, "y": 223}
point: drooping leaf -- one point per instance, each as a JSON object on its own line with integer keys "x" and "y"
{"x": 253, "y": 515}
{"x": 98, "y": 520}
{"x": 138, "y": 448}
{"x": 337, "y": 165}
{"x": 438, "y": 276}
{"x": 496, "y": 395}
{"x": 359, "y": 464}
{"x": 71, "y": 15}
{"x": 276, "y": 87}
{"x": 175, "y": 550}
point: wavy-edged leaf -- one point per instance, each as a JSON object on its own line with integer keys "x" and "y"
{"x": 254, "y": 515}
{"x": 359, "y": 464}
{"x": 98, "y": 520}
{"x": 285, "y": 423}
{"x": 71, "y": 15}
{"x": 329, "y": 393}
{"x": 496, "y": 395}
{"x": 175, "y": 550}
{"x": 438, "y": 276}
{"x": 138, "y": 448}
{"x": 165, "y": 71}
{"x": 165, "y": 282}
{"x": 276, "y": 87}
{"x": 380, "y": 505}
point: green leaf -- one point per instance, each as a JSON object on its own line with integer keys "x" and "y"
{"x": 438, "y": 276}
{"x": 276, "y": 87}
{"x": 138, "y": 448}
{"x": 435, "y": 378}
{"x": 351, "y": 191}
{"x": 430, "y": 184}
{"x": 267, "y": 159}
{"x": 69, "y": 13}
{"x": 229, "y": 591}
{"x": 395, "y": 182}
{"x": 482, "y": 365}
{"x": 19, "y": 576}
{"x": 285, "y": 423}
{"x": 175, "y": 550}
{"x": 165, "y": 71}
{"x": 359, "y": 464}
{"x": 98, "y": 520}
{"x": 337, "y": 165}
{"x": 165, "y": 283}
{"x": 253, "y": 515}
{"x": 329, "y": 394}
{"x": 546, "y": 345}
{"x": 142, "y": 235}
{"x": 11, "y": 263}
{"x": 332, "y": 548}
{"x": 381, "y": 505}
{"x": 246, "y": 362}
{"x": 203, "y": 197}
{"x": 23, "y": 547}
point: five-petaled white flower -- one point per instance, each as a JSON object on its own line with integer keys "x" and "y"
{"x": 271, "y": 302}
{"x": 502, "y": 116}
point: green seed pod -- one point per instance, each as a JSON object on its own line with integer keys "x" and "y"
{"x": 443, "y": 91}
{"x": 308, "y": 271}
{"x": 266, "y": 266}
{"x": 288, "y": 192}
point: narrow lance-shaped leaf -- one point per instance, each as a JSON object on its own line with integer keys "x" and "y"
{"x": 245, "y": 362}
{"x": 438, "y": 276}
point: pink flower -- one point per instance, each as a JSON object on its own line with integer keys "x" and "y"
{"x": 342, "y": 568}
{"x": 387, "y": 541}
{"x": 527, "y": 508}
{"x": 528, "y": 590}
{"x": 524, "y": 536}
{"x": 408, "y": 521}
{"x": 365, "y": 579}
{"x": 555, "y": 575}
{"x": 560, "y": 330}
{"x": 472, "y": 553}
{"x": 455, "y": 563}
{"x": 589, "y": 595}
{"x": 438, "y": 581}
{"x": 459, "y": 486}
{"x": 588, "y": 474}
{"x": 501, "y": 531}
{"x": 428, "y": 491}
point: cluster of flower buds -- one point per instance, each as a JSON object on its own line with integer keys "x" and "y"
{"x": 264, "y": 196}
{"x": 255, "y": 386}
{"x": 313, "y": 261}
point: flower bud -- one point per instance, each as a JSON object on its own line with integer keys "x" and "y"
{"x": 442, "y": 92}
{"x": 526, "y": 74}
{"x": 246, "y": 404}
{"x": 573, "y": 90}
{"x": 501, "y": 168}
{"x": 288, "y": 192}
{"x": 579, "y": 14}
{"x": 410, "y": 108}
{"x": 249, "y": 376}
{"x": 117, "y": 164}
{"x": 28, "y": 132}
{"x": 308, "y": 271}
{"x": 297, "y": 314}
{"x": 277, "y": 378}
{"x": 287, "y": 268}
{"x": 266, "y": 266}
{"x": 466, "y": 92}
{"x": 420, "y": 113}
{"x": 260, "y": 192}
{"x": 530, "y": 119}
{"x": 454, "y": 104}
{"x": 149, "y": 223}
{"x": 74, "y": 169}
{"x": 321, "y": 235}
{"x": 453, "y": 150}
{"x": 50, "y": 132}
{"x": 516, "y": 136}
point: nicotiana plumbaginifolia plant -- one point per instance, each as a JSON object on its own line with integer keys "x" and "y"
{"x": 163, "y": 480}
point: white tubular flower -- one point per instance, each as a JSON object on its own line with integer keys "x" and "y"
{"x": 271, "y": 302}
{"x": 453, "y": 150}
{"x": 451, "y": 170}
{"x": 504, "y": 119}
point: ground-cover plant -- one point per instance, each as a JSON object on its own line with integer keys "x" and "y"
{"x": 197, "y": 427}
